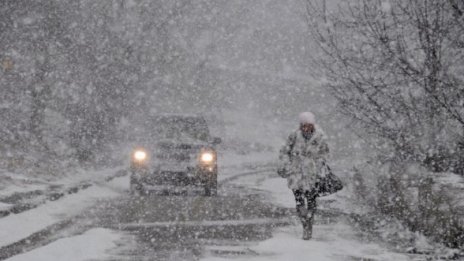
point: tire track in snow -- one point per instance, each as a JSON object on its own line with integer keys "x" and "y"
{"x": 244, "y": 174}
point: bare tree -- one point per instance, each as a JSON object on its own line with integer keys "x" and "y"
{"x": 396, "y": 68}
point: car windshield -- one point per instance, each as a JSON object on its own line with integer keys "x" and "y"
{"x": 177, "y": 127}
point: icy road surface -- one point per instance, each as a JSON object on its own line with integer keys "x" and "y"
{"x": 251, "y": 219}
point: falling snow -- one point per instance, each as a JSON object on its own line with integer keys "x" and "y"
{"x": 167, "y": 130}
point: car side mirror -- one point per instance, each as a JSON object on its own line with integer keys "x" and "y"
{"x": 216, "y": 141}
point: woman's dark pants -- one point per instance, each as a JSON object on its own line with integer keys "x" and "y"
{"x": 306, "y": 208}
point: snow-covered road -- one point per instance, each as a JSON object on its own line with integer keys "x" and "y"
{"x": 251, "y": 219}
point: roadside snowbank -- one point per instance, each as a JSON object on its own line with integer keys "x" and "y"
{"x": 4, "y": 206}
{"x": 20, "y": 226}
{"x": 93, "y": 244}
{"x": 24, "y": 193}
{"x": 19, "y": 183}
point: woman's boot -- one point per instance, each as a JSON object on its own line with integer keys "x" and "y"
{"x": 307, "y": 228}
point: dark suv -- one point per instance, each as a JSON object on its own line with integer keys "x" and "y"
{"x": 174, "y": 151}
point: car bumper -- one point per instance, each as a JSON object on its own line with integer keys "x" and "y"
{"x": 197, "y": 177}
{"x": 170, "y": 188}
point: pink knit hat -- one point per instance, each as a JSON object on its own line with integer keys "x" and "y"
{"x": 307, "y": 117}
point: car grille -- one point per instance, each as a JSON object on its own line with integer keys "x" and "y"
{"x": 174, "y": 156}
{"x": 172, "y": 178}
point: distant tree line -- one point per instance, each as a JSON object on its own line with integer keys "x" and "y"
{"x": 70, "y": 71}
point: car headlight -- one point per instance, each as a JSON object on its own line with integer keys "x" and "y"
{"x": 207, "y": 157}
{"x": 139, "y": 155}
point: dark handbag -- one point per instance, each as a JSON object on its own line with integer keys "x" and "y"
{"x": 329, "y": 183}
